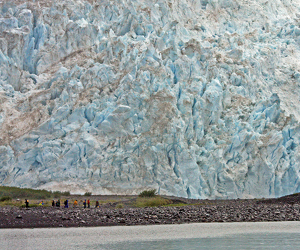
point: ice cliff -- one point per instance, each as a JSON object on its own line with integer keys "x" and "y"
{"x": 196, "y": 98}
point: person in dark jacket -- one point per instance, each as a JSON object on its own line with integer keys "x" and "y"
{"x": 66, "y": 203}
{"x": 26, "y": 203}
{"x": 97, "y": 204}
{"x": 53, "y": 203}
{"x": 84, "y": 204}
{"x": 58, "y": 203}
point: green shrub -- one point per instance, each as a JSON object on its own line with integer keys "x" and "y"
{"x": 13, "y": 203}
{"x": 5, "y": 198}
{"x": 148, "y": 193}
{"x": 120, "y": 205}
{"x": 87, "y": 193}
{"x": 58, "y": 194}
{"x": 152, "y": 202}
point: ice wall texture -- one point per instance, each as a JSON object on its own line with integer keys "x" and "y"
{"x": 196, "y": 98}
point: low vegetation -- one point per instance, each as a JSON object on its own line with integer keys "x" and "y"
{"x": 28, "y": 193}
{"x": 58, "y": 194}
{"x": 148, "y": 193}
{"x": 149, "y": 198}
{"x": 30, "y": 205}
{"x": 152, "y": 202}
{"x": 120, "y": 205}
{"x": 101, "y": 202}
{"x": 13, "y": 196}
{"x": 5, "y": 198}
{"x": 13, "y": 203}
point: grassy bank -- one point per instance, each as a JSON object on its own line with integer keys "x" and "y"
{"x": 152, "y": 202}
{"x": 13, "y": 196}
{"x": 28, "y": 193}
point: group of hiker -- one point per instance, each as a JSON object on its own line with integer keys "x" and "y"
{"x": 27, "y": 203}
{"x": 86, "y": 203}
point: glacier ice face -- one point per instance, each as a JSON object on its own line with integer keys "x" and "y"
{"x": 195, "y": 98}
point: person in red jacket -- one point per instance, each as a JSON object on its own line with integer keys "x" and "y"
{"x": 88, "y": 203}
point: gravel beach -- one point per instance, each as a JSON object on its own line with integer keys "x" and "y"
{"x": 282, "y": 209}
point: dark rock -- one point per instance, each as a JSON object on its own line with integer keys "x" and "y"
{"x": 121, "y": 221}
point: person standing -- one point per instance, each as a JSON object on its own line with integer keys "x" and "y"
{"x": 26, "y": 203}
{"x": 75, "y": 203}
{"x": 66, "y": 203}
{"x": 53, "y": 203}
{"x": 89, "y": 203}
{"x": 97, "y": 204}
{"x": 84, "y": 204}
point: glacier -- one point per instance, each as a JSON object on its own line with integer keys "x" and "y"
{"x": 195, "y": 98}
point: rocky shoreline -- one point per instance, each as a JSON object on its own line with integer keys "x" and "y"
{"x": 281, "y": 209}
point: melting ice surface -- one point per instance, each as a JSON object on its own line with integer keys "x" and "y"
{"x": 194, "y": 98}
